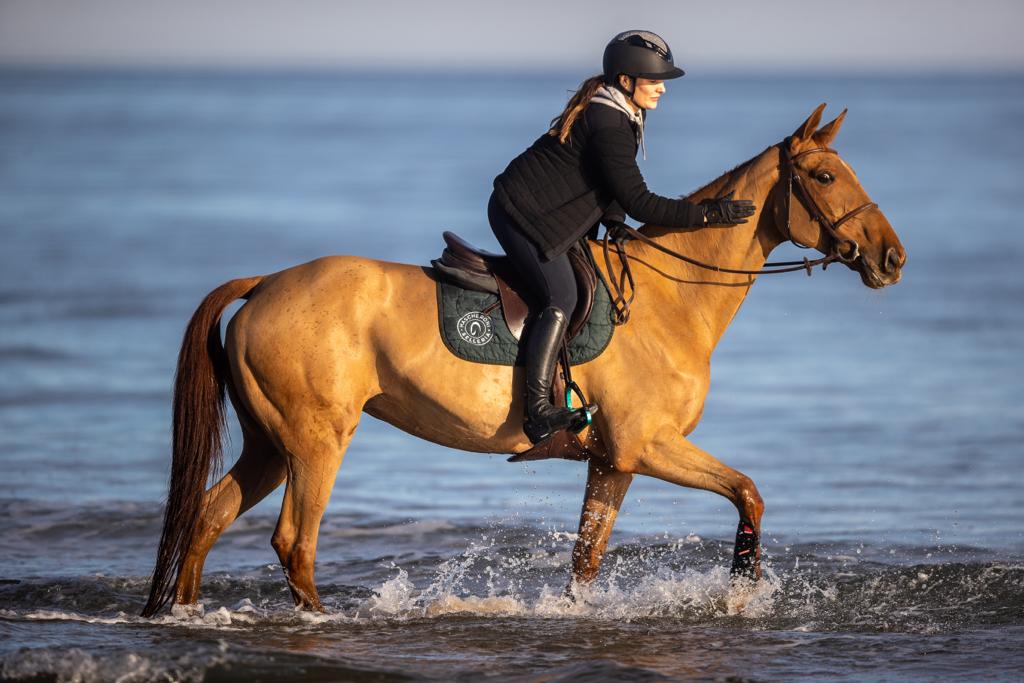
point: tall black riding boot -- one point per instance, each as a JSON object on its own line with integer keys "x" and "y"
{"x": 542, "y": 418}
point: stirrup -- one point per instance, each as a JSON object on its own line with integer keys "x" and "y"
{"x": 588, "y": 409}
{"x": 575, "y": 421}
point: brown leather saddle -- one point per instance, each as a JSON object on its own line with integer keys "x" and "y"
{"x": 483, "y": 271}
{"x": 480, "y": 270}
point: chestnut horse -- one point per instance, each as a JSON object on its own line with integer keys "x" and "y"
{"x": 318, "y": 344}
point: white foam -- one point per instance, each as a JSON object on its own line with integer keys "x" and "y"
{"x": 61, "y": 615}
{"x": 622, "y": 596}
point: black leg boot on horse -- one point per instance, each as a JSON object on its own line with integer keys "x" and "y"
{"x": 543, "y": 418}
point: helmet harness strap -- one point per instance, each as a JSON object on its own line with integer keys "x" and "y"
{"x": 628, "y": 93}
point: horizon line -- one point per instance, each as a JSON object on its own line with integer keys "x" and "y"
{"x": 693, "y": 73}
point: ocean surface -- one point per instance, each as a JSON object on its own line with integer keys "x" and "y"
{"x": 883, "y": 428}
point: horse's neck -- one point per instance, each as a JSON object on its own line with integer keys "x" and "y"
{"x": 697, "y": 304}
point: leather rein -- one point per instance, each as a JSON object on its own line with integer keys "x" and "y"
{"x": 842, "y": 249}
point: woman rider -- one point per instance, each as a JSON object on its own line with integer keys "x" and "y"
{"x": 582, "y": 171}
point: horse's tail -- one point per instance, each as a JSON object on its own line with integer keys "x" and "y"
{"x": 199, "y": 412}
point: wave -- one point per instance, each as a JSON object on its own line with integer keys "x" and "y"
{"x": 33, "y": 353}
{"x": 203, "y": 661}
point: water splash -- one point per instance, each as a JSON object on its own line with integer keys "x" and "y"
{"x": 523, "y": 574}
{"x": 491, "y": 579}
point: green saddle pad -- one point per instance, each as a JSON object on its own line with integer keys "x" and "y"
{"x": 485, "y": 338}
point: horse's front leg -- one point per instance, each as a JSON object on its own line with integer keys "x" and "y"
{"x": 606, "y": 487}
{"x": 671, "y": 457}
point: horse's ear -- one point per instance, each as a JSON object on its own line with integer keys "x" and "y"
{"x": 806, "y": 130}
{"x": 827, "y": 133}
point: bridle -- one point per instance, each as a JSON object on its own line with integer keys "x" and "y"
{"x": 841, "y": 249}
{"x": 796, "y": 183}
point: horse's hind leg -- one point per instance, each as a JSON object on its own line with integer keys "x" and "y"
{"x": 260, "y": 469}
{"x": 315, "y": 455}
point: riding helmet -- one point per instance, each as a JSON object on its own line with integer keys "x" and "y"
{"x": 639, "y": 54}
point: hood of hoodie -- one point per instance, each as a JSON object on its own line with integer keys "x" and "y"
{"x": 616, "y": 99}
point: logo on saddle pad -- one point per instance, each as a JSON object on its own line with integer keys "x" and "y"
{"x": 475, "y": 328}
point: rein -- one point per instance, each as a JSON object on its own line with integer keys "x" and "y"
{"x": 844, "y": 250}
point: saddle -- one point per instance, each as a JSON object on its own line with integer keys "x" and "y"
{"x": 482, "y": 271}
{"x": 479, "y": 270}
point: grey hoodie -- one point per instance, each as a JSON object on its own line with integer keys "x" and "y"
{"x": 614, "y": 98}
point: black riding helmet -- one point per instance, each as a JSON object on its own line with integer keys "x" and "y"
{"x": 640, "y": 54}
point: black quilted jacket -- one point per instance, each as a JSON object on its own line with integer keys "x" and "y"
{"x": 557, "y": 192}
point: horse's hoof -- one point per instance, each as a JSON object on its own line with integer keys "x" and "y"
{"x": 746, "y": 557}
{"x": 316, "y": 608}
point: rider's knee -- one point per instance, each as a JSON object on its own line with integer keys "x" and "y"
{"x": 563, "y": 301}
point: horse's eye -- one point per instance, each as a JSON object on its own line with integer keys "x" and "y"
{"x": 824, "y": 177}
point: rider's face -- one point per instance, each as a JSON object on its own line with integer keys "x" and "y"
{"x": 647, "y": 91}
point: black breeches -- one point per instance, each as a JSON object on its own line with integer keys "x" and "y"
{"x": 553, "y": 282}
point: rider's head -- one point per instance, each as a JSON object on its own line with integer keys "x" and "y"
{"x": 638, "y": 63}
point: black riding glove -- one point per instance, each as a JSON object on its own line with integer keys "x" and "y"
{"x": 727, "y": 211}
{"x": 616, "y": 231}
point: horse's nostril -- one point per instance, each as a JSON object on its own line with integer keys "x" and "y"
{"x": 892, "y": 260}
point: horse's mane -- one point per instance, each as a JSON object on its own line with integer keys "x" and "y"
{"x": 729, "y": 176}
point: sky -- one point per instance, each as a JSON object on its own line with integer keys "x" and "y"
{"x": 741, "y": 35}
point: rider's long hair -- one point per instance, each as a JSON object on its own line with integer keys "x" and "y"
{"x": 561, "y": 125}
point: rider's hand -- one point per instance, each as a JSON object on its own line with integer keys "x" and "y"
{"x": 616, "y": 231}
{"x": 727, "y": 211}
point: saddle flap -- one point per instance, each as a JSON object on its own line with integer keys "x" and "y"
{"x": 586, "y": 283}
{"x": 514, "y": 300}
{"x": 515, "y": 303}
{"x": 484, "y": 271}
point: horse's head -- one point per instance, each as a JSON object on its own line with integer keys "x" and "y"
{"x": 823, "y": 205}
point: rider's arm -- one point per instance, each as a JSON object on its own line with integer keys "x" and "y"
{"x": 612, "y": 145}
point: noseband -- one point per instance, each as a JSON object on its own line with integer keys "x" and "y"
{"x": 842, "y": 249}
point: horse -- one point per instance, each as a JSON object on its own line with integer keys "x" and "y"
{"x": 316, "y": 345}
